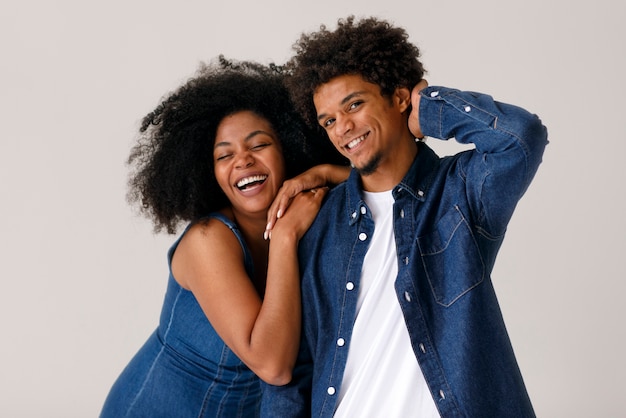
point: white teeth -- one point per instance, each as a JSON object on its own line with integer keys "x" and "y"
{"x": 355, "y": 141}
{"x": 244, "y": 182}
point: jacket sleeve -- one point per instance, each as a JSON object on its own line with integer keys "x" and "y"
{"x": 509, "y": 144}
{"x": 294, "y": 398}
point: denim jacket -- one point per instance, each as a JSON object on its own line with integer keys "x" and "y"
{"x": 450, "y": 217}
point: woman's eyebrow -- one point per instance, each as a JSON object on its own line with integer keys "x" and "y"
{"x": 258, "y": 132}
{"x": 246, "y": 139}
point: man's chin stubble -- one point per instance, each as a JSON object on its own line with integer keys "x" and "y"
{"x": 370, "y": 167}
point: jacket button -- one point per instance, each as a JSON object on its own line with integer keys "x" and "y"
{"x": 407, "y": 296}
{"x": 422, "y": 348}
{"x": 331, "y": 390}
{"x": 442, "y": 395}
{"x": 363, "y": 210}
{"x": 362, "y": 236}
{"x": 341, "y": 342}
{"x": 350, "y": 286}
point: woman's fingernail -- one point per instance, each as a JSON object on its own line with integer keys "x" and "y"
{"x": 265, "y": 235}
{"x": 280, "y": 213}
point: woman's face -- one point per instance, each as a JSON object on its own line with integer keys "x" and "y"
{"x": 248, "y": 161}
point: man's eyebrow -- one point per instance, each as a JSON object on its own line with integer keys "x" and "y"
{"x": 344, "y": 101}
{"x": 246, "y": 139}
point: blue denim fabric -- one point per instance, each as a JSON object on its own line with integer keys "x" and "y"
{"x": 185, "y": 369}
{"x": 450, "y": 217}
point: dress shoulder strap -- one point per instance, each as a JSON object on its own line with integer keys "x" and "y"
{"x": 235, "y": 230}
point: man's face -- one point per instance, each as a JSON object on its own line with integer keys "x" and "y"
{"x": 364, "y": 126}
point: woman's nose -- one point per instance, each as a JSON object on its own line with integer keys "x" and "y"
{"x": 244, "y": 160}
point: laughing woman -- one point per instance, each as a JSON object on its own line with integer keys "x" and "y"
{"x": 214, "y": 155}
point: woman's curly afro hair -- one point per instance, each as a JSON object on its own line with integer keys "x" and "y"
{"x": 172, "y": 176}
{"x": 371, "y": 48}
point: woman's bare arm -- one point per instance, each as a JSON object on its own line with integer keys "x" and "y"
{"x": 264, "y": 334}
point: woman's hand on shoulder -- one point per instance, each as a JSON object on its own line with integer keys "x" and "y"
{"x": 303, "y": 209}
{"x": 318, "y": 176}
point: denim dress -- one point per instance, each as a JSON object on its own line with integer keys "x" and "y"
{"x": 184, "y": 369}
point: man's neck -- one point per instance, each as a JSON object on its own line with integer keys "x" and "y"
{"x": 389, "y": 173}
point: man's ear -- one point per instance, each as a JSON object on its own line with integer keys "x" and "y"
{"x": 402, "y": 98}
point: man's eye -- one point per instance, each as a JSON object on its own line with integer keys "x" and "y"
{"x": 328, "y": 122}
{"x": 354, "y": 105}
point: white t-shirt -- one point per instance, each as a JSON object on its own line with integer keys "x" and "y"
{"x": 382, "y": 377}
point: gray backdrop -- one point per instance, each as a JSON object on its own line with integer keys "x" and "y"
{"x": 83, "y": 276}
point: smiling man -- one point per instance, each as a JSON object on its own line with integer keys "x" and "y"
{"x": 400, "y": 317}
{"x": 367, "y": 128}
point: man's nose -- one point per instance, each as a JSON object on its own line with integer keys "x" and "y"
{"x": 343, "y": 125}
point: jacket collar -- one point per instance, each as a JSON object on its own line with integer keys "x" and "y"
{"x": 416, "y": 181}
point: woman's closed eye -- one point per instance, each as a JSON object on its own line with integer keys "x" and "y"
{"x": 259, "y": 147}
{"x": 222, "y": 157}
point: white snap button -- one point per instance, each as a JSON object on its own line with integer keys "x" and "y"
{"x": 350, "y": 286}
{"x": 422, "y": 348}
{"x": 363, "y": 210}
{"x": 331, "y": 390}
{"x": 402, "y": 213}
{"x": 434, "y": 94}
{"x": 362, "y": 236}
{"x": 467, "y": 108}
{"x": 407, "y": 297}
{"x": 406, "y": 261}
{"x": 442, "y": 395}
{"x": 353, "y": 215}
{"x": 341, "y": 342}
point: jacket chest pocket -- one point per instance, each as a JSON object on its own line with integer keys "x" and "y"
{"x": 451, "y": 258}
